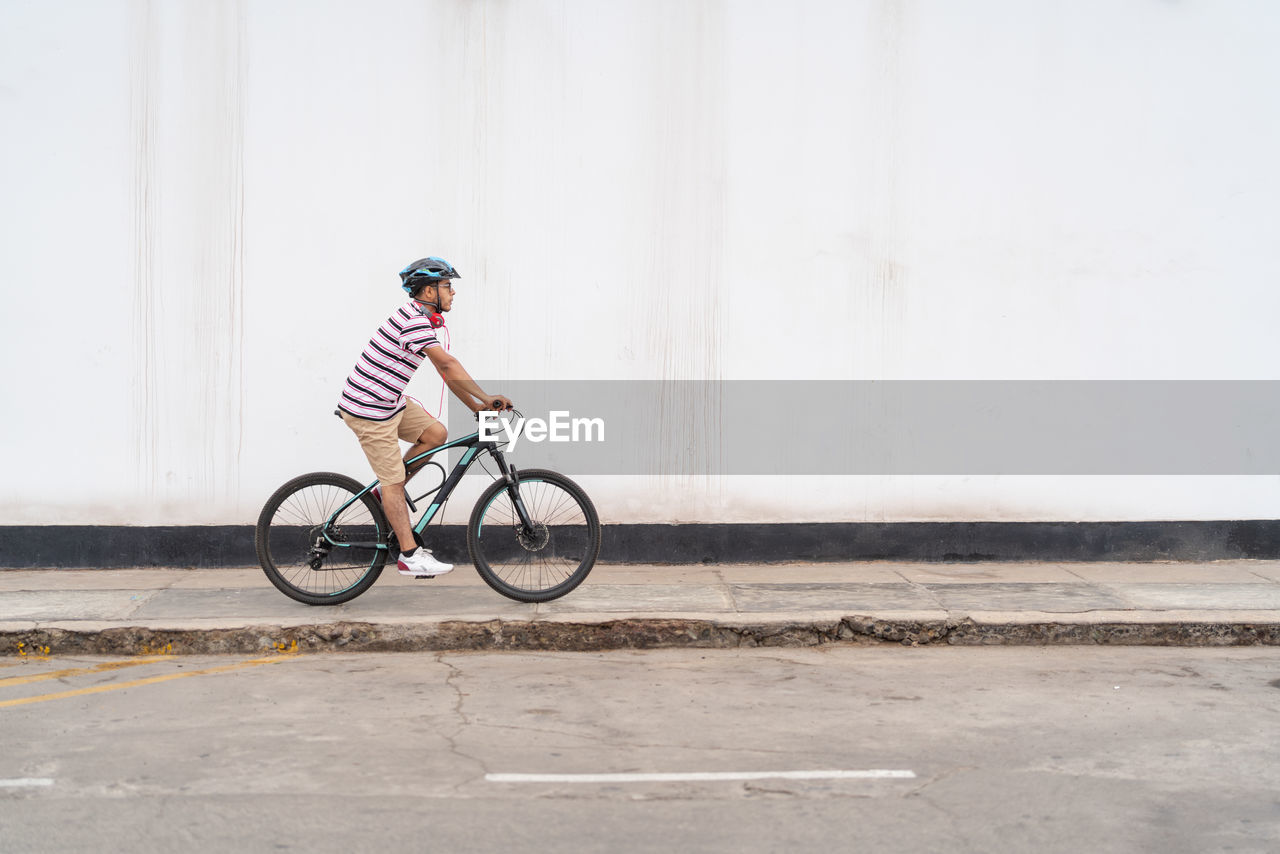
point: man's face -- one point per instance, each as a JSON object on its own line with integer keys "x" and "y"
{"x": 445, "y": 290}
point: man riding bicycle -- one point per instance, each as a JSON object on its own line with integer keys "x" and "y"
{"x": 374, "y": 406}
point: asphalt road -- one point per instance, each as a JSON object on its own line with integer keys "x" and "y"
{"x": 958, "y": 749}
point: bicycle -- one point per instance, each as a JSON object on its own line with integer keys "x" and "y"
{"x": 533, "y": 535}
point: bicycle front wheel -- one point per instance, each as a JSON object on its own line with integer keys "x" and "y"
{"x": 550, "y": 560}
{"x": 300, "y": 540}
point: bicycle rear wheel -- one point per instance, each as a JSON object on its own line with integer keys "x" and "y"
{"x": 543, "y": 564}
{"x": 292, "y": 546}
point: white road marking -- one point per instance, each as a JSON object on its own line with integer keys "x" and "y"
{"x": 700, "y": 776}
{"x": 24, "y": 782}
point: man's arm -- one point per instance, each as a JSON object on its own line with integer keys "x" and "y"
{"x": 460, "y": 383}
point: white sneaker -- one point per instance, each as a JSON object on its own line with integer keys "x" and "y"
{"x": 421, "y": 564}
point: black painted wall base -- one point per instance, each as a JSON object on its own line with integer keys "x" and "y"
{"x": 232, "y": 545}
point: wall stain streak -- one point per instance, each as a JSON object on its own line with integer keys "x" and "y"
{"x": 472, "y": 162}
{"x": 236, "y": 299}
{"x": 215, "y": 58}
{"x": 144, "y": 73}
{"x": 686, "y": 335}
{"x": 883, "y": 280}
{"x": 885, "y": 276}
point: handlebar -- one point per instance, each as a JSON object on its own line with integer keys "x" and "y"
{"x": 515, "y": 412}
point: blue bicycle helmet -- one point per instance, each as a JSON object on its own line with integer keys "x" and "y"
{"x": 425, "y": 271}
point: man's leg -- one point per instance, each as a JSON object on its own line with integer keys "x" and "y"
{"x": 433, "y": 436}
{"x": 398, "y": 514}
{"x": 380, "y": 445}
{"x": 423, "y": 430}
{"x": 421, "y": 563}
{"x": 417, "y": 426}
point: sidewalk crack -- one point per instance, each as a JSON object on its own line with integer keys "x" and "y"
{"x": 142, "y": 598}
{"x": 728, "y": 590}
{"x": 921, "y": 587}
{"x": 1071, "y": 571}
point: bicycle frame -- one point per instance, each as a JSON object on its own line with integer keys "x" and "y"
{"x": 474, "y": 448}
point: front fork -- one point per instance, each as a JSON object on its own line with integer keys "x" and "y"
{"x": 513, "y": 487}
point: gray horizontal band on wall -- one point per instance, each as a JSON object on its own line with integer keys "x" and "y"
{"x": 232, "y": 545}
{"x": 863, "y": 427}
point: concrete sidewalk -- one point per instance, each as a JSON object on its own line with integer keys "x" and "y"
{"x": 646, "y": 606}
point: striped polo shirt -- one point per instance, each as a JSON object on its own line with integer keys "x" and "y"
{"x": 375, "y": 388}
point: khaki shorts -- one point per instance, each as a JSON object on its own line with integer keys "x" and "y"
{"x": 379, "y": 439}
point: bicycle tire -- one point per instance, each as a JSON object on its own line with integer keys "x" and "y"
{"x": 290, "y": 523}
{"x": 573, "y": 541}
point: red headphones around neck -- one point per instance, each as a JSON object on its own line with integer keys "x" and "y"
{"x": 431, "y": 312}
{"x": 436, "y": 318}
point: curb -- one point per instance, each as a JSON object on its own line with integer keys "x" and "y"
{"x": 508, "y": 636}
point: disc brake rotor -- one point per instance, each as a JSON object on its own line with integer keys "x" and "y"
{"x": 535, "y": 540}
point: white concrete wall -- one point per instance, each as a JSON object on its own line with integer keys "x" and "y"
{"x": 203, "y": 206}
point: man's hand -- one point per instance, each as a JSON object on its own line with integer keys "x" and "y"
{"x": 497, "y": 402}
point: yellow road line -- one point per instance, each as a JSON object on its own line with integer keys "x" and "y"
{"x": 78, "y": 671}
{"x": 98, "y": 689}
